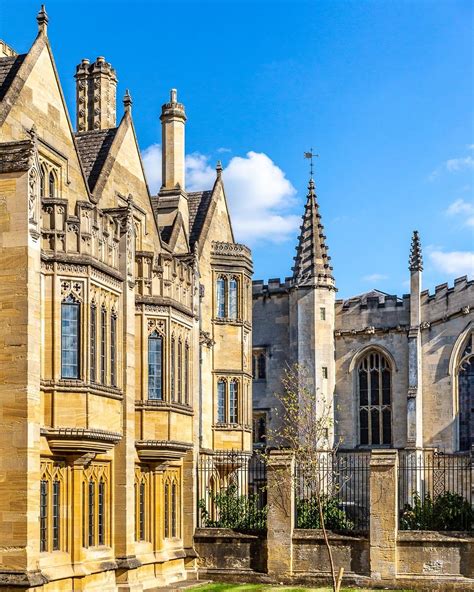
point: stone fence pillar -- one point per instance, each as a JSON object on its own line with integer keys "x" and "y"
{"x": 383, "y": 514}
{"x": 281, "y": 513}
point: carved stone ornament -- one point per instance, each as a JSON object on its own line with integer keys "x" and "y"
{"x": 369, "y": 330}
{"x": 156, "y": 325}
{"x": 71, "y": 287}
{"x": 466, "y": 310}
{"x": 412, "y": 390}
{"x": 206, "y": 339}
{"x": 425, "y": 325}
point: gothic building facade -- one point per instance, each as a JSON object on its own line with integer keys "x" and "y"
{"x": 397, "y": 372}
{"x": 125, "y": 336}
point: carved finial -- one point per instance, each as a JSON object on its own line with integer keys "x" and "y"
{"x": 416, "y": 258}
{"x": 42, "y": 19}
{"x": 219, "y": 169}
{"x": 173, "y": 95}
{"x": 127, "y": 101}
{"x": 33, "y": 133}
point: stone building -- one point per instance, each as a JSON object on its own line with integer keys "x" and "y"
{"x": 398, "y": 372}
{"x": 125, "y": 336}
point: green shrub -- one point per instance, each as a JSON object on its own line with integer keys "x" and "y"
{"x": 449, "y": 511}
{"x": 335, "y": 518}
{"x": 239, "y": 512}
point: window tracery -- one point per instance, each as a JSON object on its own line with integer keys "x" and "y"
{"x": 466, "y": 395}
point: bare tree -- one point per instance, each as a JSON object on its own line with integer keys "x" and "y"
{"x": 304, "y": 424}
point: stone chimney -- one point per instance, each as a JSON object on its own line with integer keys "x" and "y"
{"x": 173, "y": 118}
{"x": 96, "y": 89}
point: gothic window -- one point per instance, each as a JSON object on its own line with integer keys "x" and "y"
{"x": 95, "y": 493}
{"x": 375, "y": 411}
{"x": 155, "y": 366}
{"x": 142, "y": 503}
{"x": 43, "y": 175}
{"x": 93, "y": 342}
{"x": 174, "y": 510}
{"x": 221, "y": 406}
{"x": 259, "y": 364}
{"x": 70, "y": 334}
{"x": 51, "y": 492}
{"x": 221, "y": 290}
{"x": 233, "y": 402}
{"x": 180, "y": 371}
{"x": 103, "y": 345}
{"x": 186, "y": 373}
{"x": 113, "y": 349}
{"x": 325, "y": 371}
{"x": 233, "y": 298}
{"x": 173, "y": 369}
{"x": 52, "y": 184}
{"x": 166, "y": 513}
{"x": 466, "y": 396}
{"x": 322, "y": 313}
{"x": 259, "y": 427}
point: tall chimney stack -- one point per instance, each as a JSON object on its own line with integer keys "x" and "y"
{"x": 173, "y": 118}
{"x": 96, "y": 90}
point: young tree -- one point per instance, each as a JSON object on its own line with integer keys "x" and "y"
{"x": 304, "y": 426}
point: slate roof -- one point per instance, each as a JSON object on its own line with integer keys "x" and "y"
{"x": 15, "y": 156}
{"x": 94, "y": 147}
{"x": 198, "y": 203}
{"x": 8, "y": 68}
{"x": 362, "y": 298}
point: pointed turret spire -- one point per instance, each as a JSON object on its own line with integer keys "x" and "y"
{"x": 416, "y": 258}
{"x": 127, "y": 101}
{"x": 42, "y": 19}
{"x": 312, "y": 260}
{"x": 219, "y": 169}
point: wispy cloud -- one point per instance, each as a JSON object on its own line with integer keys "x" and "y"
{"x": 463, "y": 208}
{"x": 452, "y": 262}
{"x": 375, "y": 277}
{"x": 454, "y": 165}
{"x": 222, "y": 150}
{"x": 258, "y": 192}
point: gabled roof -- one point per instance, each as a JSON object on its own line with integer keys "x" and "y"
{"x": 94, "y": 147}
{"x": 8, "y": 68}
{"x": 362, "y": 298}
{"x": 198, "y": 203}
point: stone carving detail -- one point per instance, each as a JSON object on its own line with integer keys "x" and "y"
{"x": 425, "y": 325}
{"x": 369, "y": 330}
{"x": 466, "y": 310}
{"x": 206, "y": 339}
{"x": 71, "y": 288}
{"x": 156, "y": 325}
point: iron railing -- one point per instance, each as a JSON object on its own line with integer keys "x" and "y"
{"x": 338, "y": 483}
{"x": 435, "y": 490}
{"x": 232, "y": 487}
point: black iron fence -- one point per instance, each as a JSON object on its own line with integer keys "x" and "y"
{"x": 338, "y": 485}
{"x": 232, "y": 491}
{"x": 435, "y": 490}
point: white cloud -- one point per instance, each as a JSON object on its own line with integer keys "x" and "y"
{"x": 223, "y": 149}
{"x": 463, "y": 208}
{"x": 259, "y": 196}
{"x": 457, "y": 164}
{"x": 199, "y": 175}
{"x": 258, "y": 192}
{"x": 151, "y": 157}
{"x": 375, "y": 277}
{"x": 453, "y": 262}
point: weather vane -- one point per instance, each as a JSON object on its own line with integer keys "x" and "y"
{"x": 311, "y": 155}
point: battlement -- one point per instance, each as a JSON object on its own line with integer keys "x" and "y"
{"x": 374, "y": 300}
{"x": 443, "y": 291}
{"x": 274, "y": 286}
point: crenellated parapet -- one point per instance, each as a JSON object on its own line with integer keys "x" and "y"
{"x": 274, "y": 286}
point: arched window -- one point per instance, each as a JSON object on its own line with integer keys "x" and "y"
{"x": 155, "y": 366}
{"x": 43, "y": 174}
{"x": 70, "y": 337}
{"x": 186, "y": 374}
{"x": 167, "y": 511}
{"x": 262, "y": 370}
{"x": 173, "y": 369}
{"x": 233, "y": 298}
{"x": 220, "y": 297}
{"x": 466, "y": 395}
{"x": 375, "y": 399}
{"x": 113, "y": 348}
{"x": 103, "y": 345}
{"x": 180, "y": 371}
{"x": 52, "y": 184}
{"x": 174, "y": 510}
{"x": 93, "y": 342}
{"x": 234, "y": 402}
{"x": 221, "y": 406}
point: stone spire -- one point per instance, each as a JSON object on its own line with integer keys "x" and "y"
{"x": 173, "y": 119}
{"x": 127, "y": 101}
{"x": 416, "y": 259}
{"x": 312, "y": 260}
{"x": 42, "y": 20}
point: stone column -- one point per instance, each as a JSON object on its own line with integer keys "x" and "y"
{"x": 281, "y": 513}
{"x": 383, "y": 514}
{"x": 189, "y": 496}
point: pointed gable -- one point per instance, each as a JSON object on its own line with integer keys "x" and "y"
{"x": 93, "y": 149}
{"x": 312, "y": 260}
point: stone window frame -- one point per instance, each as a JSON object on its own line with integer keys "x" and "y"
{"x": 257, "y": 416}
{"x": 54, "y": 471}
{"x": 227, "y": 317}
{"x": 227, "y": 381}
{"x": 143, "y": 503}
{"x": 257, "y": 353}
{"x": 106, "y": 303}
{"x": 49, "y": 171}
{"x": 353, "y": 369}
{"x": 71, "y": 298}
{"x": 96, "y": 480}
{"x": 172, "y": 514}
{"x": 455, "y": 361}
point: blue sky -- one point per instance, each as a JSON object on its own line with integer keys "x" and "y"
{"x": 382, "y": 90}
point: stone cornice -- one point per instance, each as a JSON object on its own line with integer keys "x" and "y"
{"x": 72, "y": 440}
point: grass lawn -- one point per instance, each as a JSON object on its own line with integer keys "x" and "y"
{"x": 264, "y": 588}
